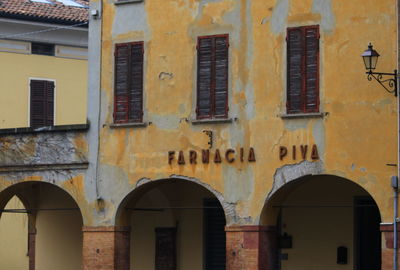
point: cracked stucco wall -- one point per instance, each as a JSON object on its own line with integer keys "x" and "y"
{"x": 257, "y": 83}
{"x": 122, "y": 158}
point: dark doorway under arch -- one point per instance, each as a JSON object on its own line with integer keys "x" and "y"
{"x": 325, "y": 222}
{"x": 175, "y": 224}
{"x": 54, "y": 225}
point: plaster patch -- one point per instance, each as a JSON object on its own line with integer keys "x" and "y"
{"x": 232, "y": 17}
{"x": 142, "y": 182}
{"x": 165, "y": 76}
{"x": 236, "y": 135}
{"x": 324, "y": 7}
{"x": 229, "y": 207}
{"x": 296, "y": 124}
{"x": 50, "y": 176}
{"x": 238, "y": 186}
{"x": 129, "y": 18}
{"x": 279, "y": 17}
{"x": 167, "y": 122}
{"x": 319, "y": 137}
{"x": 292, "y": 172}
{"x": 43, "y": 148}
{"x": 113, "y": 184}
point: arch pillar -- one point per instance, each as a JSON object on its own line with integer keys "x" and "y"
{"x": 251, "y": 247}
{"x": 388, "y": 245}
{"x": 106, "y": 248}
{"x": 31, "y": 247}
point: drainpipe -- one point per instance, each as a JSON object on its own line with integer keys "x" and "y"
{"x": 395, "y": 201}
{"x": 396, "y": 184}
{"x": 396, "y": 197}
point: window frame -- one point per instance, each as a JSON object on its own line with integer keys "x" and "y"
{"x": 212, "y": 115}
{"x": 303, "y": 110}
{"x": 30, "y": 101}
{"x": 128, "y": 120}
{"x": 49, "y": 45}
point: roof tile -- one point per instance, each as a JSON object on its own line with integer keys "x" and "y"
{"x": 56, "y": 11}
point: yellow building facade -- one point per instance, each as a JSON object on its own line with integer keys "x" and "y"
{"x": 228, "y": 134}
{"x": 40, "y": 47}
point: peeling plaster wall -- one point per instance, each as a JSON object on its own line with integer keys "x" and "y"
{"x": 45, "y": 148}
{"x": 348, "y": 134}
{"x": 57, "y": 158}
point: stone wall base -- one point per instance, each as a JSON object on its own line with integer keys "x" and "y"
{"x": 251, "y": 248}
{"x": 106, "y": 248}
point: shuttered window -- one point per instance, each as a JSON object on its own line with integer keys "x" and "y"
{"x": 42, "y": 48}
{"x": 128, "y": 88}
{"x": 215, "y": 239}
{"x": 41, "y": 103}
{"x": 212, "y": 76}
{"x": 303, "y": 69}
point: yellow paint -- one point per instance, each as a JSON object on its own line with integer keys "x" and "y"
{"x": 327, "y": 228}
{"x": 188, "y": 224}
{"x": 258, "y": 59}
{"x": 59, "y": 233}
{"x": 70, "y": 77}
{"x": 14, "y": 237}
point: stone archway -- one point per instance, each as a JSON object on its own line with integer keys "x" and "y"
{"x": 54, "y": 224}
{"x": 323, "y": 222}
{"x": 175, "y": 223}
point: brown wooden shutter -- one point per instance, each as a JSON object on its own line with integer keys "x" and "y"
{"x": 215, "y": 237}
{"x": 294, "y": 70}
{"x": 136, "y": 83}
{"x": 221, "y": 77}
{"x": 212, "y": 76}
{"x": 204, "y": 77}
{"x": 303, "y": 69}
{"x": 128, "y": 92}
{"x": 42, "y": 103}
{"x": 311, "y": 69}
{"x": 49, "y": 103}
{"x": 165, "y": 258}
{"x": 121, "y": 95}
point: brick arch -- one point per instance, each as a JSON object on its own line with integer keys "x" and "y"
{"x": 146, "y": 184}
{"x": 282, "y": 186}
{"x": 26, "y": 195}
{"x": 29, "y": 193}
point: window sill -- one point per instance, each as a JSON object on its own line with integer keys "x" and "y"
{"x": 123, "y": 2}
{"x": 212, "y": 121}
{"x": 303, "y": 115}
{"x": 25, "y": 130}
{"x": 129, "y": 125}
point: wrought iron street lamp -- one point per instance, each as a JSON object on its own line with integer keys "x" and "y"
{"x": 370, "y": 57}
{"x": 389, "y": 82}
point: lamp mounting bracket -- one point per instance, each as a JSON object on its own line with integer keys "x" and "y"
{"x": 386, "y": 80}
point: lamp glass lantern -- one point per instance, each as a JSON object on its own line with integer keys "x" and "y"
{"x": 370, "y": 57}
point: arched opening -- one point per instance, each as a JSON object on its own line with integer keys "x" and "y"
{"x": 175, "y": 224}
{"x": 324, "y": 222}
{"x": 46, "y": 224}
{"x": 14, "y": 236}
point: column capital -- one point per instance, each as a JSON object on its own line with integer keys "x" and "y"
{"x": 250, "y": 228}
{"x": 106, "y": 228}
